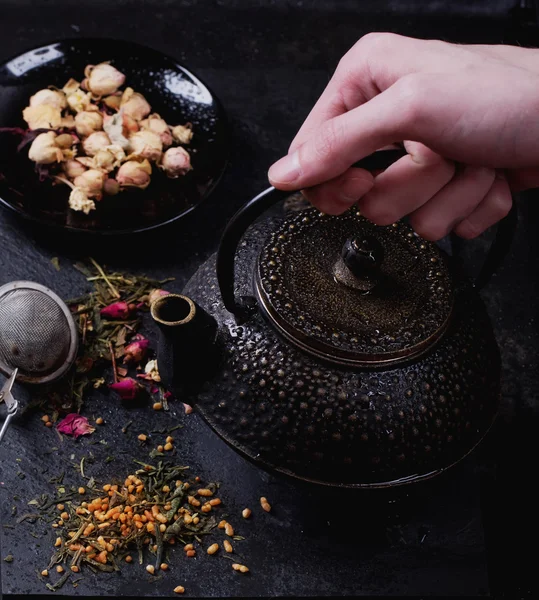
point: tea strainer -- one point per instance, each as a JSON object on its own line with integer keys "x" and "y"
{"x": 38, "y": 338}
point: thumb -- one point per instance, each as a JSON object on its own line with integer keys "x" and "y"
{"x": 341, "y": 141}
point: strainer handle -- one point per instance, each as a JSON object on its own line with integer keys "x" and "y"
{"x": 6, "y": 423}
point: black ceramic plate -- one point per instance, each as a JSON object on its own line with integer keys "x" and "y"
{"x": 173, "y": 92}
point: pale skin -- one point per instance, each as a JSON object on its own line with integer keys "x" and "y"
{"x": 468, "y": 117}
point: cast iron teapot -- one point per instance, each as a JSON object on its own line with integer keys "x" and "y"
{"x": 333, "y": 350}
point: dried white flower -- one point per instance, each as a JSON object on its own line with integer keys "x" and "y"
{"x": 183, "y": 134}
{"x": 78, "y": 200}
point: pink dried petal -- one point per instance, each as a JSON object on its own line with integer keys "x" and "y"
{"x": 167, "y": 395}
{"x": 155, "y": 294}
{"x": 127, "y": 389}
{"x": 118, "y": 310}
{"x": 136, "y": 351}
{"x": 188, "y": 408}
{"x": 75, "y": 425}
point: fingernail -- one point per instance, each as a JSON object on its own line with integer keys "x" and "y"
{"x": 286, "y": 170}
{"x": 354, "y": 188}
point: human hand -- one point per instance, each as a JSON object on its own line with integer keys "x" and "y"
{"x": 477, "y": 106}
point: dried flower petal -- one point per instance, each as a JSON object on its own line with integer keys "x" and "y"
{"x": 159, "y": 126}
{"x": 130, "y": 125}
{"x": 135, "y": 105}
{"x": 188, "y": 408}
{"x": 118, "y": 311}
{"x": 91, "y": 182}
{"x": 71, "y": 86}
{"x": 113, "y": 101}
{"x": 156, "y": 294}
{"x": 44, "y": 150}
{"x": 73, "y": 168}
{"x": 151, "y": 372}
{"x": 104, "y": 79}
{"x": 43, "y": 116}
{"x": 79, "y": 201}
{"x": 127, "y": 389}
{"x": 51, "y": 97}
{"x": 146, "y": 144}
{"x": 176, "y": 162}
{"x": 136, "y": 350}
{"x": 75, "y": 425}
{"x": 68, "y": 122}
{"x": 86, "y": 122}
{"x": 79, "y": 100}
{"x": 183, "y": 134}
{"x": 94, "y": 142}
{"x": 134, "y": 174}
{"x": 113, "y": 125}
{"x": 109, "y": 158}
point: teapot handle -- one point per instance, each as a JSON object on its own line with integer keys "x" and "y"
{"x": 250, "y": 211}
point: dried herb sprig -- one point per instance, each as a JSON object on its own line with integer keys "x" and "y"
{"x": 103, "y": 340}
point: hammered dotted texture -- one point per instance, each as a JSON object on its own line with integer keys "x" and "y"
{"x": 285, "y": 409}
{"x": 410, "y": 302}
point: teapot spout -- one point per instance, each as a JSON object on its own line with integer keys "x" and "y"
{"x": 186, "y": 349}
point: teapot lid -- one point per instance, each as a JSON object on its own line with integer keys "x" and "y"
{"x": 352, "y": 292}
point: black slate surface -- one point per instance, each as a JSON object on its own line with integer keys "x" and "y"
{"x": 268, "y": 62}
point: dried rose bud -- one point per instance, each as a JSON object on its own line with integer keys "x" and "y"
{"x": 95, "y": 141}
{"x": 44, "y": 150}
{"x": 50, "y": 97}
{"x": 79, "y": 201}
{"x": 65, "y": 140}
{"x": 176, "y": 162}
{"x": 109, "y": 158}
{"x": 103, "y": 79}
{"x": 75, "y": 425}
{"x": 183, "y": 134}
{"x": 156, "y": 294}
{"x": 86, "y": 122}
{"x": 136, "y": 351}
{"x": 135, "y": 105}
{"x": 127, "y": 389}
{"x": 146, "y": 144}
{"x": 79, "y": 100}
{"x": 134, "y": 174}
{"x": 159, "y": 126}
{"x": 71, "y": 86}
{"x": 43, "y": 116}
{"x": 113, "y": 101}
{"x": 111, "y": 187}
{"x": 118, "y": 311}
{"x": 91, "y": 182}
{"x": 73, "y": 168}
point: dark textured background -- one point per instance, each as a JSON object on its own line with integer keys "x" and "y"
{"x": 465, "y": 534}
